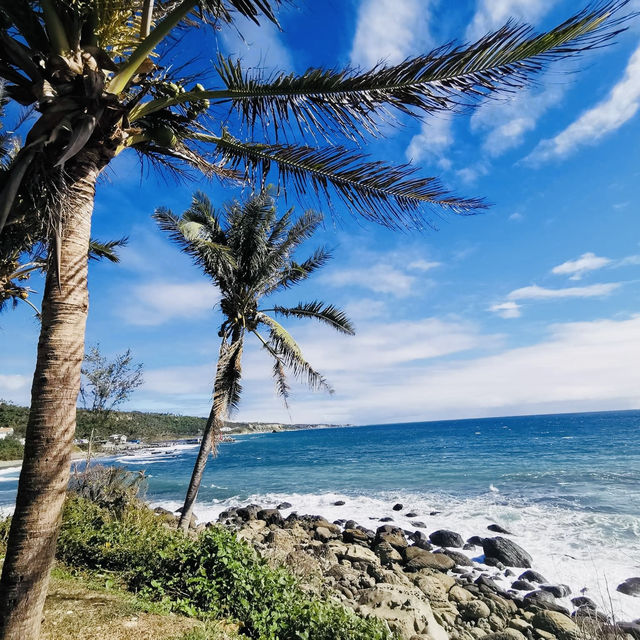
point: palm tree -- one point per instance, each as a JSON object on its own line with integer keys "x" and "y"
{"x": 247, "y": 251}
{"x": 102, "y": 79}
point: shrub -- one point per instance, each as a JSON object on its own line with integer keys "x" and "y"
{"x": 213, "y": 575}
{"x": 11, "y": 448}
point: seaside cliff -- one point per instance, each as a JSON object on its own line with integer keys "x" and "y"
{"x": 423, "y": 586}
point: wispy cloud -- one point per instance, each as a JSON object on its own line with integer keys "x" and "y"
{"x": 507, "y": 310}
{"x": 391, "y": 30}
{"x": 575, "y": 269}
{"x": 435, "y": 137}
{"x": 491, "y": 14}
{"x": 516, "y": 217}
{"x": 609, "y": 115}
{"x": 381, "y": 278}
{"x": 157, "y": 302}
{"x": 423, "y": 265}
{"x": 534, "y": 292}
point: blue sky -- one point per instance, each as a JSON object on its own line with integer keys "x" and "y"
{"x": 529, "y": 308}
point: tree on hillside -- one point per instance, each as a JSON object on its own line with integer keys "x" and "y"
{"x": 104, "y": 80}
{"x": 247, "y": 251}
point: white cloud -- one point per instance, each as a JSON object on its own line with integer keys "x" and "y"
{"x": 390, "y": 30}
{"x": 609, "y": 115}
{"x": 535, "y": 292}
{"x": 516, "y": 217}
{"x": 471, "y": 174}
{"x": 422, "y": 265}
{"x": 577, "y": 268}
{"x": 159, "y": 301}
{"x": 14, "y": 388}
{"x": 629, "y": 260}
{"x": 434, "y": 139}
{"x": 507, "y": 309}
{"x": 380, "y": 278}
{"x": 491, "y": 14}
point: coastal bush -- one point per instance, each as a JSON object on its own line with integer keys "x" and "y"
{"x": 11, "y": 448}
{"x": 213, "y": 575}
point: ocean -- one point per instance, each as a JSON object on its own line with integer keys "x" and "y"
{"x": 567, "y": 486}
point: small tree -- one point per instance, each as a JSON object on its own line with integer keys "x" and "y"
{"x": 106, "y": 383}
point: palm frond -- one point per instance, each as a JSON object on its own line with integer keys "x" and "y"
{"x": 227, "y": 387}
{"x": 386, "y": 194}
{"x": 457, "y": 75}
{"x": 287, "y": 350}
{"x": 106, "y": 250}
{"x": 295, "y": 273}
{"x": 328, "y": 314}
{"x": 224, "y": 9}
{"x": 282, "y": 386}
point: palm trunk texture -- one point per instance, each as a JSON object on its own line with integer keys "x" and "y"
{"x": 52, "y": 419}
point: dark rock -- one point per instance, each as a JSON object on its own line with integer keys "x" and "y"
{"x": 459, "y": 558}
{"x": 395, "y": 538}
{"x": 434, "y": 513}
{"x": 506, "y": 551}
{"x": 417, "y": 536}
{"x": 468, "y": 547}
{"x": 398, "y": 507}
{"x": 340, "y": 522}
{"x": 339, "y": 503}
{"x": 386, "y": 519}
{"x": 559, "y": 590}
{"x": 419, "y": 524}
{"x": 583, "y": 602}
{"x": 630, "y": 587}
{"x": 250, "y": 512}
{"x": 508, "y": 573}
{"x": 493, "y": 562}
{"x": 631, "y": 628}
{"x": 475, "y": 541}
{"x": 446, "y": 538}
{"x": 270, "y": 516}
{"x": 350, "y": 524}
{"x": 543, "y": 600}
{"x": 522, "y": 585}
{"x": 485, "y": 581}
{"x": 532, "y": 576}
{"x": 284, "y": 505}
{"x": 412, "y": 514}
{"x": 498, "y": 529}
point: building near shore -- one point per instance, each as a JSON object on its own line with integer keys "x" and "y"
{"x": 5, "y": 431}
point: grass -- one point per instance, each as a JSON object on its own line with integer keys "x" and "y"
{"x": 81, "y": 607}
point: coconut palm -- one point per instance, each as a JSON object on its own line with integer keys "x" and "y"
{"x": 247, "y": 252}
{"x": 103, "y": 80}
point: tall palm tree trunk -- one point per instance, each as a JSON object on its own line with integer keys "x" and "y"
{"x": 52, "y": 418}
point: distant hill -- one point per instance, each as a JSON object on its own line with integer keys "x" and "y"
{"x": 142, "y": 424}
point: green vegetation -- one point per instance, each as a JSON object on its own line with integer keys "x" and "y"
{"x": 148, "y": 426}
{"x": 211, "y": 576}
{"x": 11, "y": 448}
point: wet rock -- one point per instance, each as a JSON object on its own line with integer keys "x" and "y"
{"x": 412, "y": 514}
{"x": 498, "y": 529}
{"x": 270, "y": 516}
{"x": 506, "y": 551}
{"x": 398, "y": 507}
{"x": 386, "y": 519}
{"x": 631, "y": 628}
{"x": 419, "y": 524}
{"x": 446, "y": 538}
{"x": 543, "y": 600}
{"x": 582, "y": 602}
{"x": 339, "y": 503}
{"x": 556, "y": 623}
{"x": 522, "y": 585}
{"x": 475, "y": 541}
{"x": 250, "y": 512}
{"x": 630, "y": 587}
{"x": 284, "y": 505}
{"x": 533, "y": 576}
{"x": 557, "y": 590}
{"x": 459, "y": 558}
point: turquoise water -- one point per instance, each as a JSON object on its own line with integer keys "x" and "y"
{"x": 568, "y": 486}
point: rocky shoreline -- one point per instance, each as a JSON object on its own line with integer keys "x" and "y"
{"x": 424, "y": 586}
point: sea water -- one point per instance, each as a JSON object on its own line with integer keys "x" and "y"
{"x": 567, "y": 486}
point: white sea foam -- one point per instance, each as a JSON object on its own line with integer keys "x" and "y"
{"x": 592, "y": 553}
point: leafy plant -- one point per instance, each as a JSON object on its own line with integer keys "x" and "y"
{"x": 11, "y": 448}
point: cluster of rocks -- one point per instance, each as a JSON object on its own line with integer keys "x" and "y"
{"x": 423, "y": 586}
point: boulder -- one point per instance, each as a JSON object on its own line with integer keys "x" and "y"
{"x": 386, "y": 519}
{"x": 387, "y": 554}
{"x": 355, "y": 536}
{"x": 398, "y": 507}
{"x": 556, "y": 623}
{"x": 506, "y": 551}
{"x": 406, "y": 610}
{"x": 270, "y": 516}
{"x": 459, "y": 558}
{"x": 506, "y": 634}
{"x": 339, "y": 503}
{"x": 582, "y": 602}
{"x": 630, "y": 587}
{"x": 250, "y": 512}
{"x": 543, "y": 600}
{"x": 459, "y": 594}
{"x": 357, "y": 553}
{"x": 557, "y": 590}
{"x": 393, "y": 535}
{"x": 522, "y": 585}
{"x": 533, "y": 576}
{"x": 474, "y": 610}
{"x": 284, "y": 505}
{"x": 323, "y": 534}
{"x": 412, "y": 514}
{"x": 446, "y": 538}
{"x": 498, "y": 529}
{"x": 418, "y": 559}
{"x": 419, "y": 524}
{"x": 475, "y": 541}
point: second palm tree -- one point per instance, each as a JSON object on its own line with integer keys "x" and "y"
{"x": 247, "y": 251}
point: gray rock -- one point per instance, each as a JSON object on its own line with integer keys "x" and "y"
{"x": 475, "y": 541}
{"x": 459, "y": 558}
{"x": 522, "y": 585}
{"x": 356, "y": 536}
{"x": 582, "y": 602}
{"x": 250, "y": 512}
{"x": 543, "y": 600}
{"x": 506, "y": 551}
{"x": 387, "y": 554}
{"x": 339, "y": 503}
{"x": 418, "y": 559}
{"x": 398, "y": 507}
{"x": 446, "y": 538}
{"x": 533, "y": 576}
{"x": 506, "y": 634}
{"x": 419, "y": 524}
{"x": 386, "y": 519}
{"x": 558, "y": 590}
{"x": 474, "y": 610}
{"x": 412, "y": 514}
{"x": 270, "y": 516}
{"x": 556, "y": 623}
{"x": 498, "y": 529}
{"x": 284, "y": 505}
{"x": 630, "y": 587}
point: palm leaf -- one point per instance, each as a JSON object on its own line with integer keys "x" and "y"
{"x": 450, "y": 77}
{"x": 282, "y": 343}
{"x": 282, "y": 386}
{"x": 295, "y": 273}
{"x": 329, "y": 314}
{"x": 386, "y": 194}
{"x": 106, "y": 250}
{"x": 227, "y": 387}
